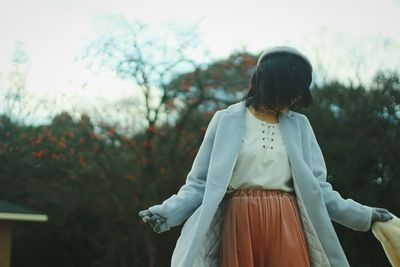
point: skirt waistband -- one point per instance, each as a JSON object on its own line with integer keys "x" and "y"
{"x": 261, "y": 192}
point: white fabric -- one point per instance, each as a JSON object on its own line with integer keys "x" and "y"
{"x": 262, "y": 160}
{"x": 388, "y": 233}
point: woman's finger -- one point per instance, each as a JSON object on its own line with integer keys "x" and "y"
{"x": 386, "y": 216}
{"x": 156, "y": 227}
{"x": 383, "y": 215}
{"x": 145, "y": 213}
{"x": 146, "y": 219}
{"x": 382, "y": 210}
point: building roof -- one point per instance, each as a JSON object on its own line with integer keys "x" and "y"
{"x": 13, "y": 212}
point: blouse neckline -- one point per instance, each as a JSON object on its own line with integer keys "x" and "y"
{"x": 259, "y": 120}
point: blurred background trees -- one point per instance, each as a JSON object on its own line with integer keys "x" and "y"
{"x": 91, "y": 175}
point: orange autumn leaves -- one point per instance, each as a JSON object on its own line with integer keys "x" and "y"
{"x": 78, "y": 151}
{"x": 66, "y": 145}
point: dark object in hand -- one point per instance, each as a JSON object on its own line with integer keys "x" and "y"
{"x": 380, "y": 215}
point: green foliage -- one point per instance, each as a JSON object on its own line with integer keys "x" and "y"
{"x": 80, "y": 179}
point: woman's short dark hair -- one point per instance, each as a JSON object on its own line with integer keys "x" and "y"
{"x": 278, "y": 80}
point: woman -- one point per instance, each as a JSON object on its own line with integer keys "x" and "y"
{"x": 257, "y": 193}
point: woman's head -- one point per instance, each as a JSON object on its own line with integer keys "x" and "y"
{"x": 281, "y": 80}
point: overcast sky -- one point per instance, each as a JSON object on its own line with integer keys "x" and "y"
{"x": 54, "y": 32}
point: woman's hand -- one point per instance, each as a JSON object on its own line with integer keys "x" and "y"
{"x": 156, "y": 221}
{"x": 380, "y": 215}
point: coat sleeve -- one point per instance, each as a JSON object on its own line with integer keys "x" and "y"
{"x": 344, "y": 211}
{"x": 181, "y": 205}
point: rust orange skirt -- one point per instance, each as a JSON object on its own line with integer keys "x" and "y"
{"x": 262, "y": 228}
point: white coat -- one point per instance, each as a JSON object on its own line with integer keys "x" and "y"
{"x": 201, "y": 200}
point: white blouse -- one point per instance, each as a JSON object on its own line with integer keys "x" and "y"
{"x": 262, "y": 160}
